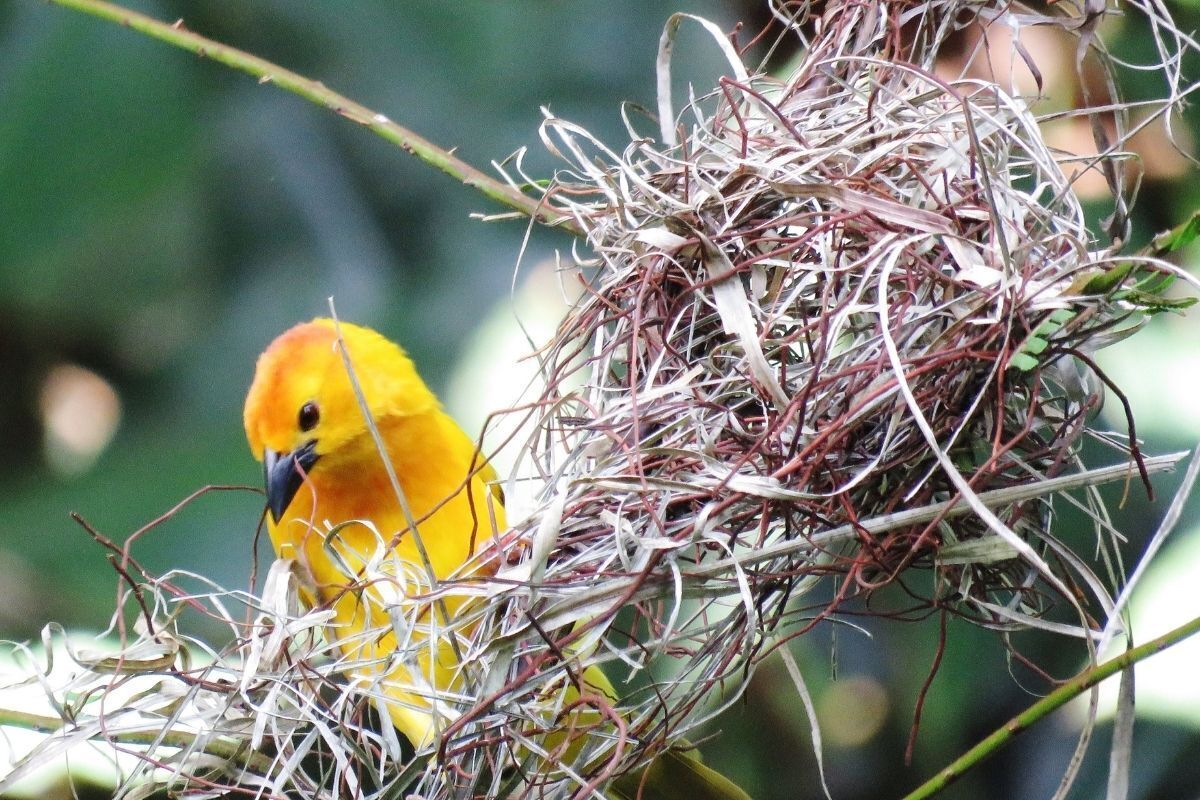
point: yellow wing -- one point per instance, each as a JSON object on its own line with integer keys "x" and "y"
{"x": 334, "y": 510}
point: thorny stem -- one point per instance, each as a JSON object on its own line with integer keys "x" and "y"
{"x": 1051, "y": 702}
{"x": 316, "y": 92}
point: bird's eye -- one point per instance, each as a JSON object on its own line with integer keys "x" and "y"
{"x": 310, "y": 415}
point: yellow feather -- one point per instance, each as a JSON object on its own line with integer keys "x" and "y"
{"x": 344, "y": 525}
{"x": 347, "y": 490}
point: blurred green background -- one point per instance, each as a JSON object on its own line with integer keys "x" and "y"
{"x": 162, "y": 218}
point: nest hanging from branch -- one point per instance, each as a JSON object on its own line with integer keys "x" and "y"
{"x": 837, "y": 335}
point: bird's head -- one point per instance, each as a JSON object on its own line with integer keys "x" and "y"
{"x": 302, "y": 408}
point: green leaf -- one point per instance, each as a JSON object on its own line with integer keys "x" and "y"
{"x": 1107, "y": 280}
{"x": 1034, "y": 345}
{"x": 1179, "y": 236}
{"x": 1022, "y": 362}
{"x": 1037, "y": 342}
{"x": 1156, "y": 303}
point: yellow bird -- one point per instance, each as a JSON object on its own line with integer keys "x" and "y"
{"x": 333, "y": 509}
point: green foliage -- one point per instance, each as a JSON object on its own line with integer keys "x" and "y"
{"x": 1178, "y": 237}
{"x": 1025, "y": 358}
{"x": 163, "y": 218}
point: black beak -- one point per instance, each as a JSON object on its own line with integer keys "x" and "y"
{"x": 283, "y": 474}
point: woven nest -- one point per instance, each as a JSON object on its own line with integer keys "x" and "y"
{"x": 835, "y": 336}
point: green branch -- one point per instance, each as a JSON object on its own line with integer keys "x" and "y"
{"x": 1051, "y": 702}
{"x": 318, "y": 93}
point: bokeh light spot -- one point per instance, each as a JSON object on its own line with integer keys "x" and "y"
{"x": 853, "y": 710}
{"x": 80, "y": 413}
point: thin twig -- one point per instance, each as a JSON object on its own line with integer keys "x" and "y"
{"x": 316, "y": 92}
{"x": 1051, "y": 702}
